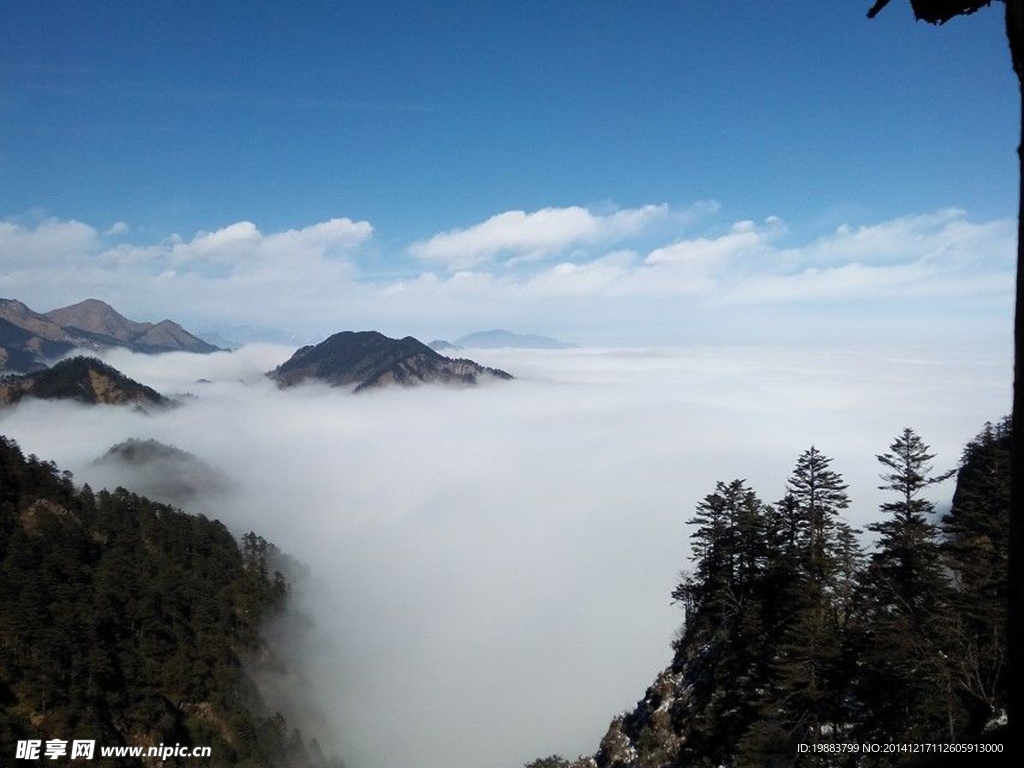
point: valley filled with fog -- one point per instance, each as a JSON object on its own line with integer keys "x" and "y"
{"x": 489, "y": 568}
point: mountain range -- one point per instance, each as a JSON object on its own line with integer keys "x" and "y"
{"x": 368, "y": 359}
{"x": 29, "y": 338}
{"x": 360, "y": 359}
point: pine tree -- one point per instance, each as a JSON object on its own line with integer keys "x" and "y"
{"x": 906, "y": 683}
{"x": 712, "y": 547}
{"x": 729, "y": 549}
{"x": 849, "y": 565}
{"x": 724, "y": 630}
{"x": 819, "y": 494}
{"x": 810, "y": 651}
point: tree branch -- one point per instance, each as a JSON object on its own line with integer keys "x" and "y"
{"x": 936, "y": 11}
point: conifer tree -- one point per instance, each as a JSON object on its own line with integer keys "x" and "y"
{"x": 810, "y": 652}
{"x": 712, "y": 547}
{"x": 907, "y": 678}
{"x": 724, "y": 599}
{"x": 976, "y": 549}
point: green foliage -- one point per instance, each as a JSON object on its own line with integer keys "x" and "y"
{"x": 904, "y": 689}
{"x": 127, "y": 622}
{"x": 976, "y": 546}
{"x": 794, "y": 635}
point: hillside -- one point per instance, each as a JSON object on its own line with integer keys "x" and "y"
{"x": 795, "y": 635}
{"x": 28, "y": 339}
{"x": 367, "y": 359}
{"x": 161, "y": 472}
{"x": 130, "y": 623}
{"x": 83, "y": 379}
{"x": 37, "y": 325}
{"x": 102, "y": 323}
{"x": 20, "y": 350}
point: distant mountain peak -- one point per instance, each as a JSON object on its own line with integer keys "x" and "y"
{"x": 499, "y": 337}
{"x": 90, "y": 324}
{"x": 97, "y": 317}
{"x": 368, "y": 359}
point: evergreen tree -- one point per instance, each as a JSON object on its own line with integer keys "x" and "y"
{"x": 976, "y": 548}
{"x": 790, "y": 637}
{"x": 907, "y": 683}
{"x": 729, "y": 548}
{"x": 127, "y": 622}
{"x": 810, "y": 652}
{"x": 724, "y": 599}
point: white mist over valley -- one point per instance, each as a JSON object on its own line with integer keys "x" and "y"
{"x": 489, "y": 568}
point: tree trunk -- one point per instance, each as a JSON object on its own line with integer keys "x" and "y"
{"x": 1015, "y": 35}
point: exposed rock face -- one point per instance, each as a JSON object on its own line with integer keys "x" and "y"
{"x": 657, "y": 731}
{"x": 649, "y": 737}
{"x": 161, "y": 472}
{"x": 368, "y": 359}
{"x": 28, "y": 339}
{"x": 84, "y": 379}
{"x": 42, "y": 512}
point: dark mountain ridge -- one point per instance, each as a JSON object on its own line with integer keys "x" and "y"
{"x": 368, "y": 359}
{"x": 84, "y": 379}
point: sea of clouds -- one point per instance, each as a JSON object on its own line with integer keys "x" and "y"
{"x": 489, "y": 569}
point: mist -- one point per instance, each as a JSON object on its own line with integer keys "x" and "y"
{"x": 490, "y": 568}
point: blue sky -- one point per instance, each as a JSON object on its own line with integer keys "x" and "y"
{"x": 420, "y": 118}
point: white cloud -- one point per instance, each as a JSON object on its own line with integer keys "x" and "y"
{"x": 586, "y": 279}
{"x": 48, "y": 243}
{"x": 117, "y": 228}
{"x": 935, "y": 254}
{"x": 530, "y": 236}
{"x": 946, "y": 235}
{"x": 308, "y": 280}
{"x": 744, "y": 237}
{"x": 240, "y": 245}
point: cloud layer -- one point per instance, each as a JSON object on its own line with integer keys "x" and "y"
{"x": 660, "y": 270}
{"x": 491, "y": 568}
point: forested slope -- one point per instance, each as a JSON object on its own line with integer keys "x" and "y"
{"x": 795, "y": 634}
{"x": 127, "y": 622}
